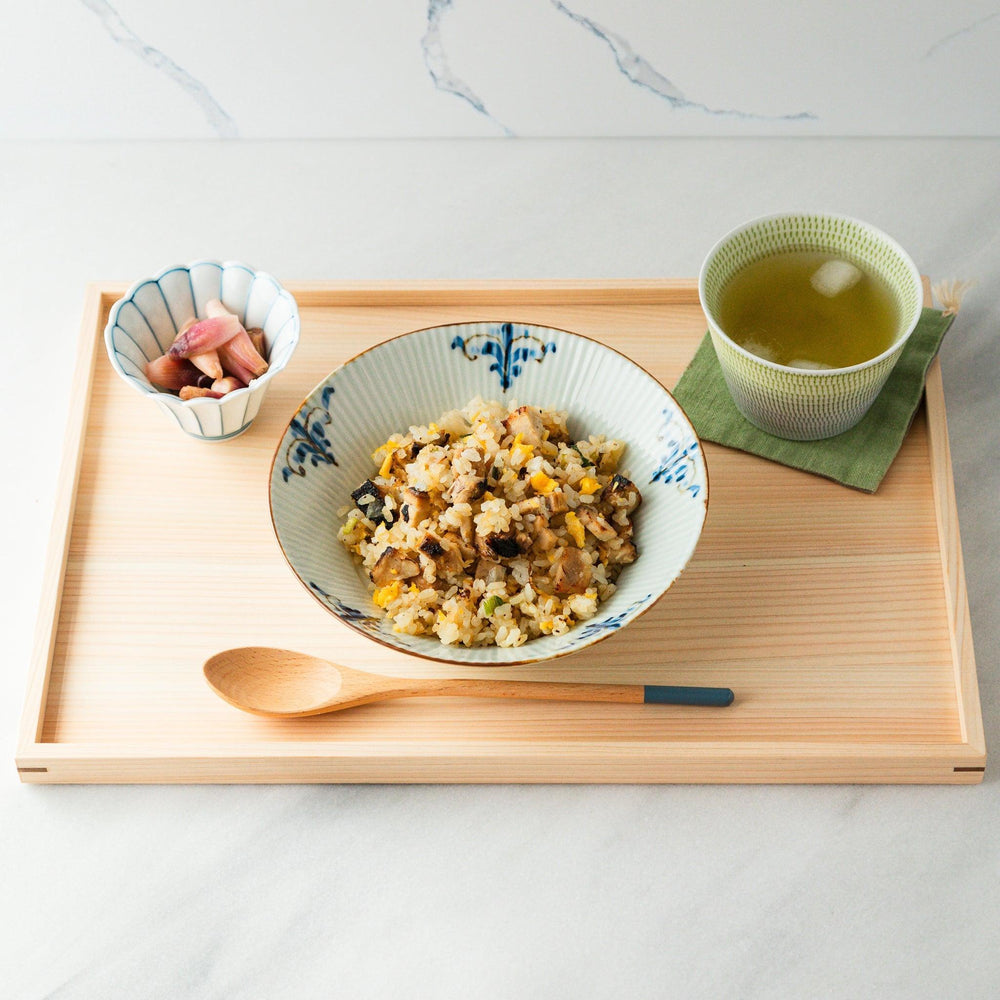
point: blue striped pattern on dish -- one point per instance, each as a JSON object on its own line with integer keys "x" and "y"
{"x": 143, "y": 323}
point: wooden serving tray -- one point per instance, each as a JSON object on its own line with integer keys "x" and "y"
{"x": 839, "y": 619}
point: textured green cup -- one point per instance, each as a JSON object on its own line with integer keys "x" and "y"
{"x": 798, "y": 403}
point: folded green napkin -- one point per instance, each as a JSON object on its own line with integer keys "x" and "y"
{"x": 859, "y": 457}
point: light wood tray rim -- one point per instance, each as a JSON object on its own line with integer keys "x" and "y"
{"x": 960, "y": 761}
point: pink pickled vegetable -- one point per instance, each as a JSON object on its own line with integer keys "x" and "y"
{"x": 228, "y": 384}
{"x": 193, "y": 392}
{"x": 209, "y": 363}
{"x": 171, "y": 373}
{"x": 206, "y": 335}
{"x": 240, "y": 358}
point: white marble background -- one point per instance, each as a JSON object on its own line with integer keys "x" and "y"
{"x": 432, "y": 68}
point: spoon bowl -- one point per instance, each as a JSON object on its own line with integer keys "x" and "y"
{"x": 256, "y": 680}
{"x": 279, "y": 683}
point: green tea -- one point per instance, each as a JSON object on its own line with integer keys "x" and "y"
{"x": 808, "y": 309}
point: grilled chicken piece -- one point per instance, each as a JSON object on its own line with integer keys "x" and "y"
{"x": 545, "y": 539}
{"x": 490, "y": 571}
{"x": 371, "y": 502}
{"x": 596, "y": 524}
{"x": 622, "y": 494}
{"x": 393, "y": 565}
{"x": 572, "y": 572}
{"x": 445, "y": 552}
{"x": 545, "y": 504}
{"x": 554, "y": 503}
{"x": 616, "y": 556}
{"x": 466, "y": 489}
{"x": 627, "y": 553}
{"x": 526, "y": 421}
{"x": 532, "y": 505}
{"x": 467, "y": 529}
{"x": 416, "y": 505}
{"x": 499, "y": 545}
{"x": 431, "y": 545}
{"x": 451, "y": 561}
{"x": 402, "y": 456}
{"x": 467, "y": 549}
{"x": 557, "y": 432}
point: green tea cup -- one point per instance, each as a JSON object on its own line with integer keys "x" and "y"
{"x": 805, "y": 404}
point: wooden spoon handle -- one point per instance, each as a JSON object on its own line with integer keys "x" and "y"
{"x": 633, "y": 694}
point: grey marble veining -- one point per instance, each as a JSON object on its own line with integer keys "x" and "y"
{"x": 636, "y": 69}
{"x": 217, "y": 117}
{"x": 967, "y": 29}
{"x": 436, "y": 60}
{"x": 640, "y": 72}
{"x": 471, "y": 68}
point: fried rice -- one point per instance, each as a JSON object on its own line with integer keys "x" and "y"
{"x": 491, "y": 526}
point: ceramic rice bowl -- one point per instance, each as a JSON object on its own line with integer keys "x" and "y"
{"x": 326, "y": 453}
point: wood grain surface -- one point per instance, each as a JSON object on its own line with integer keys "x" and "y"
{"x": 839, "y": 619}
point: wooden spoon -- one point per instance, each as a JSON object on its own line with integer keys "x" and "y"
{"x": 280, "y": 684}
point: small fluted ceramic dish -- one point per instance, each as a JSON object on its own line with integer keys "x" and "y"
{"x": 326, "y": 453}
{"x": 143, "y": 323}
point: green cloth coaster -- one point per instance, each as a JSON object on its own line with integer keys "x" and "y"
{"x": 859, "y": 457}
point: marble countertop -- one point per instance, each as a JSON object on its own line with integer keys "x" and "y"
{"x": 485, "y": 891}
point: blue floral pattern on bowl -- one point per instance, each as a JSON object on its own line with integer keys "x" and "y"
{"x": 613, "y": 622}
{"x": 681, "y": 451}
{"x": 308, "y": 437}
{"x": 362, "y": 619}
{"x": 509, "y": 351}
